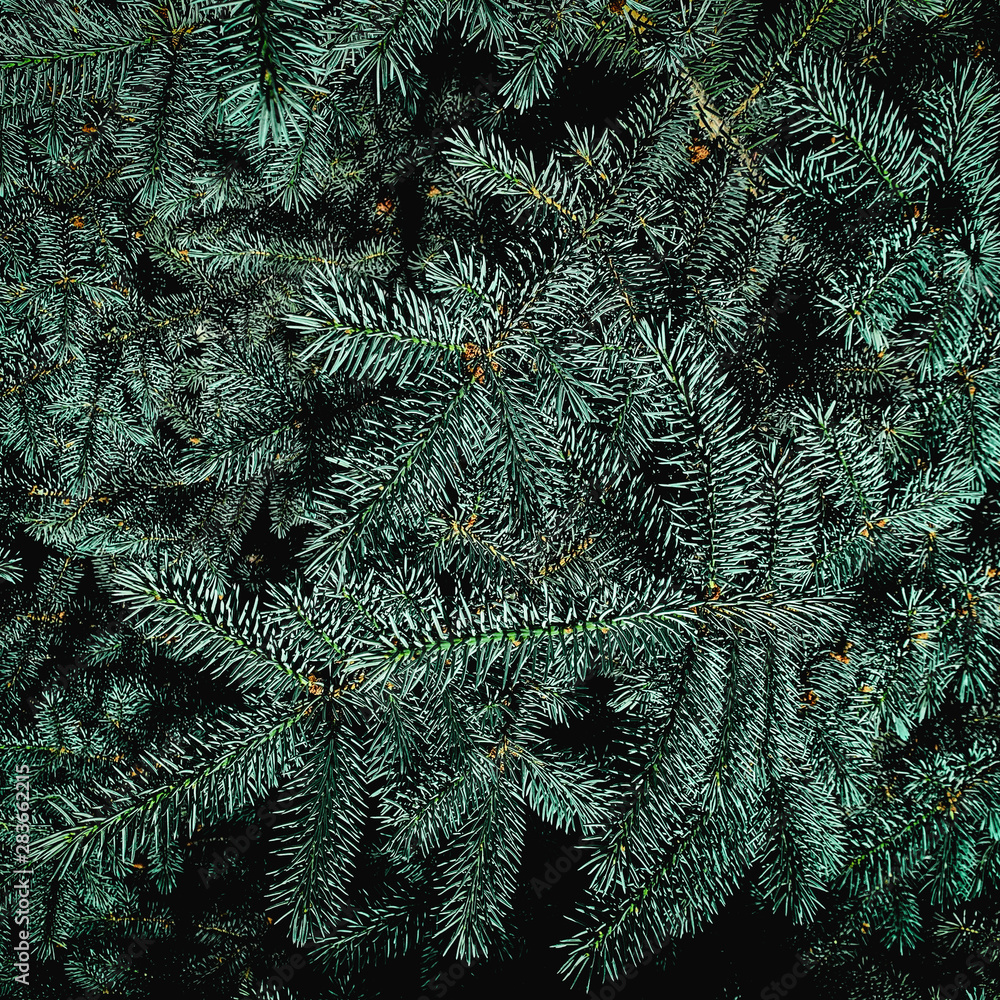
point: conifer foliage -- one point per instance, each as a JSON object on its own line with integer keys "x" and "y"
{"x": 435, "y": 434}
